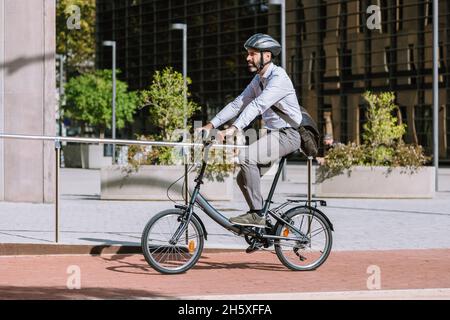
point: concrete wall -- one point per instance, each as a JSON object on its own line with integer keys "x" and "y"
{"x": 27, "y": 99}
{"x": 2, "y": 106}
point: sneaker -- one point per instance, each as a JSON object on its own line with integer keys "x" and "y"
{"x": 249, "y": 219}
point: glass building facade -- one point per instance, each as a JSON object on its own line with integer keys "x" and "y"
{"x": 333, "y": 57}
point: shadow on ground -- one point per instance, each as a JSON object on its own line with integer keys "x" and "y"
{"x": 120, "y": 247}
{"x": 203, "y": 264}
{"x": 55, "y": 293}
{"x": 103, "y": 249}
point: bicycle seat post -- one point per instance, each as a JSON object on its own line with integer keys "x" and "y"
{"x": 274, "y": 184}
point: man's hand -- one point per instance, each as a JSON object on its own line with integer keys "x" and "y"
{"x": 206, "y": 129}
{"x": 225, "y": 133}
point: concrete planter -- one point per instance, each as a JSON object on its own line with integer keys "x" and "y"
{"x": 85, "y": 156}
{"x": 151, "y": 183}
{"x": 376, "y": 182}
{"x": 96, "y": 158}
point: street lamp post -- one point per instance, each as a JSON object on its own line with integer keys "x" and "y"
{"x": 113, "y": 45}
{"x": 183, "y": 27}
{"x": 436, "y": 91}
{"x": 282, "y": 3}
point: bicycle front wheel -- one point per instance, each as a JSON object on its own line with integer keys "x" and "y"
{"x": 167, "y": 257}
{"x": 308, "y": 245}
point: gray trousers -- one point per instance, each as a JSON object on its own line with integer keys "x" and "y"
{"x": 266, "y": 150}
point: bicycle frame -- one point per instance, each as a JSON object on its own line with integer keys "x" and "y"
{"x": 197, "y": 198}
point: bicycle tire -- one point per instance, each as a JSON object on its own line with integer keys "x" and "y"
{"x": 315, "y": 214}
{"x": 168, "y": 250}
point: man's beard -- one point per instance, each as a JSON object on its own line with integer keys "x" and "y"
{"x": 252, "y": 68}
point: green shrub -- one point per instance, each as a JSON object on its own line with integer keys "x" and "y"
{"x": 382, "y": 143}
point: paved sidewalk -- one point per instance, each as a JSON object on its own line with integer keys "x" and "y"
{"x": 360, "y": 224}
{"x": 130, "y": 277}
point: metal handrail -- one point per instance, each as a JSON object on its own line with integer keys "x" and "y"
{"x": 115, "y": 141}
{"x": 57, "y": 140}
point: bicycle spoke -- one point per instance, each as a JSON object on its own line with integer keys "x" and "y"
{"x": 194, "y": 236}
{"x": 184, "y": 253}
{"x": 301, "y": 223}
{"x": 312, "y": 235}
{"x": 176, "y": 252}
{"x": 163, "y": 255}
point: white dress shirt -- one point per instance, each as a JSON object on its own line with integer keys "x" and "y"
{"x": 278, "y": 91}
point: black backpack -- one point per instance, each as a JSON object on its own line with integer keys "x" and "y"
{"x": 309, "y": 133}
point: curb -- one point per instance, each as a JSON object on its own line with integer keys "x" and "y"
{"x": 31, "y": 249}
{"x": 20, "y": 249}
{"x": 394, "y": 294}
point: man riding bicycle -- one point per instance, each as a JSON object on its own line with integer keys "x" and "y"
{"x": 270, "y": 87}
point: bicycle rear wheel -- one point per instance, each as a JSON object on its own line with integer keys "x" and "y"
{"x": 170, "y": 258}
{"x": 308, "y": 249}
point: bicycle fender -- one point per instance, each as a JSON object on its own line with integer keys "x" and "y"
{"x": 201, "y": 223}
{"x": 313, "y": 209}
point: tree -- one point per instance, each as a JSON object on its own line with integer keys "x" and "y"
{"x": 382, "y": 127}
{"x": 166, "y": 107}
{"x": 166, "y": 102}
{"x": 76, "y": 42}
{"x": 89, "y": 100}
{"x": 382, "y": 131}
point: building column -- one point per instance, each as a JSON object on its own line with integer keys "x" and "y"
{"x": 27, "y": 99}
{"x": 2, "y": 105}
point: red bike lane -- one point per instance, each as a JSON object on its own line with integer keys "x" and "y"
{"x": 124, "y": 276}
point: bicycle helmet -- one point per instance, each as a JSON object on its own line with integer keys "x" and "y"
{"x": 263, "y": 42}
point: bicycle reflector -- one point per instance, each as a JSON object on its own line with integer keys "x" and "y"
{"x": 285, "y": 232}
{"x": 191, "y": 246}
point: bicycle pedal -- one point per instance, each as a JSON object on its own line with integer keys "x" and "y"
{"x": 254, "y": 247}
